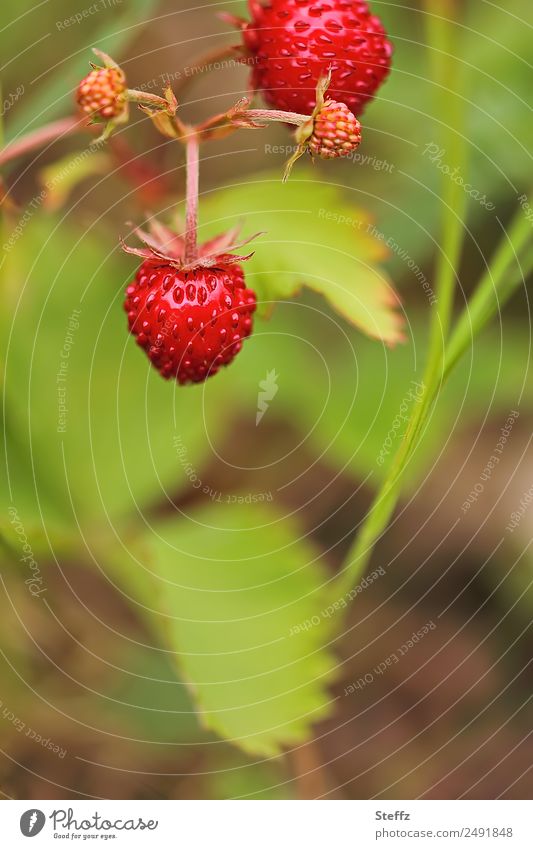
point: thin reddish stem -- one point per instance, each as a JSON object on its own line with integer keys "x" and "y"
{"x": 276, "y": 115}
{"x": 42, "y": 136}
{"x": 193, "y": 175}
{"x": 237, "y": 118}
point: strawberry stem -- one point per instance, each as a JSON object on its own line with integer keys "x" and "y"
{"x": 145, "y": 98}
{"x": 191, "y": 221}
{"x": 275, "y": 115}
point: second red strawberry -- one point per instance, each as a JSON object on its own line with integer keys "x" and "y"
{"x": 294, "y": 42}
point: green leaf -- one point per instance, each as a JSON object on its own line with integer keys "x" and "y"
{"x": 235, "y": 585}
{"x": 29, "y": 514}
{"x": 234, "y": 776}
{"x": 315, "y": 237}
{"x": 145, "y": 698}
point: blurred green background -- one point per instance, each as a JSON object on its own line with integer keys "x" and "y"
{"x": 151, "y": 641}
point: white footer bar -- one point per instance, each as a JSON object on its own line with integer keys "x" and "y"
{"x": 267, "y": 825}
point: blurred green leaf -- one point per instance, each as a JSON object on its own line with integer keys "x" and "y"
{"x": 232, "y": 581}
{"x": 315, "y": 237}
{"x": 144, "y": 698}
{"x": 232, "y": 777}
{"x": 30, "y": 515}
{"x": 31, "y": 505}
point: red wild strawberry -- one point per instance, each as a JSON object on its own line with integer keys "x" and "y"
{"x": 190, "y": 319}
{"x": 294, "y": 42}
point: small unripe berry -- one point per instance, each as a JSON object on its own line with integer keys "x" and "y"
{"x": 330, "y": 132}
{"x": 336, "y": 131}
{"x": 99, "y": 93}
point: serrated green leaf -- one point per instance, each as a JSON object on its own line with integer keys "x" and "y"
{"x": 235, "y": 584}
{"x": 316, "y": 237}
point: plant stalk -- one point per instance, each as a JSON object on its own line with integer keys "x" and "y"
{"x": 494, "y": 289}
{"x": 275, "y": 115}
{"x": 440, "y": 39}
{"x": 145, "y": 98}
{"x": 193, "y": 176}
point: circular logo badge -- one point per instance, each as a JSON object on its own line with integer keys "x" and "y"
{"x": 32, "y": 822}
